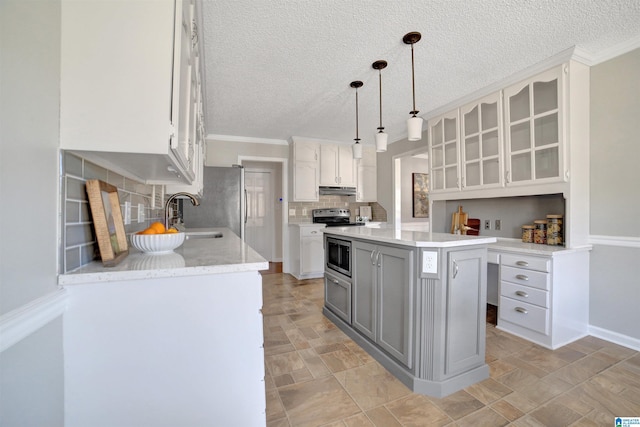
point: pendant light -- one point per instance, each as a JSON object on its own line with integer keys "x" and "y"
{"x": 381, "y": 137}
{"x": 414, "y": 124}
{"x": 357, "y": 147}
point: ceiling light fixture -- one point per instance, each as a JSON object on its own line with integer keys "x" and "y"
{"x": 357, "y": 147}
{"x": 414, "y": 124}
{"x": 381, "y": 137}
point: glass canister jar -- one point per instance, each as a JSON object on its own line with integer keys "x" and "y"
{"x": 540, "y": 231}
{"x": 554, "y": 230}
{"x": 527, "y": 233}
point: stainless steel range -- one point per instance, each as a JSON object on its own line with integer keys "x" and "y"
{"x": 333, "y": 217}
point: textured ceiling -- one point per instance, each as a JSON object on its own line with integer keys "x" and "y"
{"x": 281, "y": 68}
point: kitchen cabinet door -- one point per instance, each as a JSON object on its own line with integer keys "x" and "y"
{"x": 365, "y": 297}
{"x": 534, "y": 129}
{"x": 481, "y": 143}
{"x": 311, "y": 252}
{"x": 305, "y": 171}
{"x": 126, "y": 107}
{"x": 337, "y": 165}
{"x": 466, "y": 312}
{"x": 444, "y": 152}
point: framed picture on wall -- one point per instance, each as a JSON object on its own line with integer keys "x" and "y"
{"x": 420, "y": 195}
{"x": 107, "y": 222}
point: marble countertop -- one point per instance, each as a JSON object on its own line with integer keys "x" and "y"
{"x": 409, "y": 238}
{"x": 516, "y": 245}
{"x": 199, "y": 256}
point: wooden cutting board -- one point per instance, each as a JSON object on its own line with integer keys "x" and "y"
{"x": 458, "y": 219}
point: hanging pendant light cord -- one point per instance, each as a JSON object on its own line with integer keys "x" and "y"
{"x": 357, "y": 137}
{"x": 380, "y": 78}
{"x": 413, "y": 83}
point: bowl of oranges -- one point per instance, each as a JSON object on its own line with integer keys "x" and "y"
{"x": 156, "y": 239}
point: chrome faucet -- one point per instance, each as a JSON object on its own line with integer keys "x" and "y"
{"x": 194, "y": 202}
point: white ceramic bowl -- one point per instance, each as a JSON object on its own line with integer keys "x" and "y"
{"x": 157, "y": 243}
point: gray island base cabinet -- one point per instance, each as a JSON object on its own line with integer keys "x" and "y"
{"x": 417, "y": 305}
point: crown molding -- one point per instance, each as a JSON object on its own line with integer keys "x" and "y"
{"x": 248, "y": 139}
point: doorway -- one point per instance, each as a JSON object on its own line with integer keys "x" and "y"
{"x": 265, "y": 199}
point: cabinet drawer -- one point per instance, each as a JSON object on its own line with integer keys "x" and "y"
{"x": 311, "y": 231}
{"x": 526, "y": 315}
{"x": 337, "y": 296}
{"x": 525, "y": 294}
{"x": 521, "y": 276}
{"x": 526, "y": 261}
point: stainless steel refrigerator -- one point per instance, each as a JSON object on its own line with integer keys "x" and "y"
{"x": 223, "y": 202}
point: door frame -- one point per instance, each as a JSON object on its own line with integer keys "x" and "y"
{"x": 284, "y": 164}
{"x": 248, "y": 169}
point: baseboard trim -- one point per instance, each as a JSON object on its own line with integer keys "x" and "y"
{"x": 25, "y": 320}
{"x": 615, "y": 337}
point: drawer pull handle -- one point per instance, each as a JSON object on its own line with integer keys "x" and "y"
{"x": 522, "y": 294}
{"x": 336, "y": 282}
{"x": 521, "y": 310}
{"x": 522, "y": 277}
{"x": 522, "y": 263}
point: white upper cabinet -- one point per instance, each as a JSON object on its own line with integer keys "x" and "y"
{"x": 534, "y": 131}
{"x": 337, "y": 167}
{"x": 444, "y": 152}
{"x": 305, "y": 170}
{"x": 130, "y": 86}
{"x": 481, "y": 143}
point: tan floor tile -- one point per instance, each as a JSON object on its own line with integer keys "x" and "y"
{"x": 555, "y": 414}
{"x": 360, "y": 420}
{"x": 499, "y": 367}
{"x": 371, "y": 385}
{"x": 581, "y": 370}
{"x": 328, "y": 348}
{"x": 458, "y": 405}
{"x": 281, "y": 422}
{"x": 507, "y": 410}
{"x": 317, "y": 367}
{"x": 302, "y": 375}
{"x": 381, "y": 417}
{"x": 577, "y": 405}
{"x": 545, "y": 390}
{"x": 274, "y": 409}
{"x": 542, "y": 358}
{"x": 340, "y": 360}
{"x": 268, "y": 382}
{"x": 520, "y": 402}
{"x": 518, "y": 380}
{"x": 488, "y": 391}
{"x": 279, "y": 349}
{"x": 317, "y": 402}
{"x": 527, "y": 421}
{"x": 485, "y": 417}
{"x": 282, "y": 380}
{"x": 526, "y": 366}
{"x": 417, "y": 411}
{"x": 284, "y": 363}
{"x": 359, "y": 351}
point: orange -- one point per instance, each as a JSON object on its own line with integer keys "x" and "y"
{"x": 158, "y": 226}
{"x": 148, "y": 231}
{"x": 171, "y": 231}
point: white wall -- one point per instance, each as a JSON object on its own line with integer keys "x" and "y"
{"x": 31, "y": 371}
{"x": 615, "y": 195}
{"x": 225, "y": 153}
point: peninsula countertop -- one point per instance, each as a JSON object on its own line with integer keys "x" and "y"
{"x": 196, "y": 256}
{"x": 419, "y": 239}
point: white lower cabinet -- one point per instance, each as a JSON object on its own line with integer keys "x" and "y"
{"x": 307, "y": 252}
{"x": 544, "y": 298}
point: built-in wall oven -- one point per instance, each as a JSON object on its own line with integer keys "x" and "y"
{"x": 339, "y": 255}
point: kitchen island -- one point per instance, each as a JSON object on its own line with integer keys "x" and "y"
{"x": 166, "y": 340}
{"x": 415, "y": 301}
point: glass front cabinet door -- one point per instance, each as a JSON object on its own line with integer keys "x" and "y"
{"x": 481, "y": 143}
{"x": 534, "y": 131}
{"x": 444, "y": 152}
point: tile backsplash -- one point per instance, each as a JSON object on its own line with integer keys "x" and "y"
{"x": 79, "y": 246}
{"x": 303, "y": 209}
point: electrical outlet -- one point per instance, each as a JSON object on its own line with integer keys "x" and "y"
{"x": 292, "y": 212}
{"x": 127, "y": 213}
{"x": 304, "y": 211}
{"x": 430, "y": 262}
{"x": 487, "y": 224}
{"x": 498, "y": 224}
{"x": 140, "y": 212}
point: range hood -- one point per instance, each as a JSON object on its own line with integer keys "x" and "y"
{"x": 337, "y": 191}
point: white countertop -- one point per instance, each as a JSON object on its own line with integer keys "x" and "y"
{"x": 227, "y": 254}
{"x": 516, "y": 245}
{"x": 409, "y": 238}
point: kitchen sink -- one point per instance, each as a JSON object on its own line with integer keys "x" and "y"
{"x": 203, "y": 235}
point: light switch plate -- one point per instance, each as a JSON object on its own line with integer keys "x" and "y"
{"x": 140, "y": 212}
{"x": 430, "y": 262}
{"x": 292, "y": 212}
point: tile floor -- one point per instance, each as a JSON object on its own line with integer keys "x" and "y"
{"x": 317, "y": 376}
